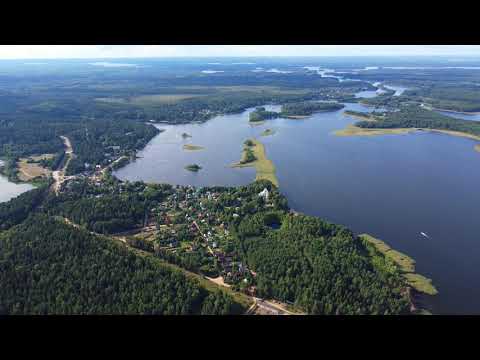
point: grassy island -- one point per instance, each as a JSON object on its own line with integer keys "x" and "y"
{"x": 191, "y": 147}
{"x": 353, "y": 130}
{"x": 268, "y": 132}
{"x": 193, "y": 167}
{"x": 254, "y": 155}
{"x": 387, "y": 259}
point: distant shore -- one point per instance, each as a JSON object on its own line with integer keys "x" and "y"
{"x": 352, "y": 130}
{"x": 457, "y": 112}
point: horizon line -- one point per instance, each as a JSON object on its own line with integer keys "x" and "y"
{"x": 243, "y": 56}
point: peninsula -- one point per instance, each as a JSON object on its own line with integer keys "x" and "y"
{"x": 254, "y": 156}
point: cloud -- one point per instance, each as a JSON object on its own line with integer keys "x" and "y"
{"x": 139, "y": 51}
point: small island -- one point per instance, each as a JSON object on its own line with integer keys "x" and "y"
{"x": 305, "y": 109}
{"x": 190, "y": 147}
{"x": 267, "y": 132}
{"x": 193, "y": 167}
{"x": 260, "y": 114}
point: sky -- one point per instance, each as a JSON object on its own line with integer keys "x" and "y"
{"x": 142, "y": 51}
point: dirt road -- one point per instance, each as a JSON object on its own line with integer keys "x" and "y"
{"x": 59, "y": 175}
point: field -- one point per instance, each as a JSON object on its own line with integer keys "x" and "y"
{"x": 264, "y": 166}
{"x": 28, "y": 171}
{"x": 242, "y": 88}
{"x": 180, "y": 93}
{"x": 145, "y": 100}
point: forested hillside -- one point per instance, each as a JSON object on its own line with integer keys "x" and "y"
{"x": 48, "y": 267}
{"x": 18, "y": 209}
{"x": 320, "y": 267}
{"x": 309, "y": 107}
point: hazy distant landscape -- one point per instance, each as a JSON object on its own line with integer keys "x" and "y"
{"x": 239, "y": 185}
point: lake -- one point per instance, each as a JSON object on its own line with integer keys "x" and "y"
{"x": 9, "y": 190}
{"x": 391, "y": 186}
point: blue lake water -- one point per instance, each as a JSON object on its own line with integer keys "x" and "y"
{"x": 391, "y": 186}
{"x": 9, "y": 190}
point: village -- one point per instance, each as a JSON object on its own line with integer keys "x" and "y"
{"x": 190, "y": 227}
{"x": 189, "y": 222}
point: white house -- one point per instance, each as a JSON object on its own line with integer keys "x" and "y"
{"x": 264, "y": 194}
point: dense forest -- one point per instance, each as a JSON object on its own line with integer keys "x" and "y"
{"x": 92, "y": 140}
{"x": 111, "y": 208}
{"x": 308, "y": 108}
{"x": 18, "y": 209}
{"x": 260, "y": 114}
{"x": 416, "y": 117}
{"x": 47, "y": 267}
{"x": 320, "y": 267}
{"x": 450, "y": 97}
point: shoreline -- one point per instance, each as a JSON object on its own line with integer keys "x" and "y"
{"x": 352, "y": 130}
{"x": 366, "y": 117}
{"x": 417, "y": 285}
